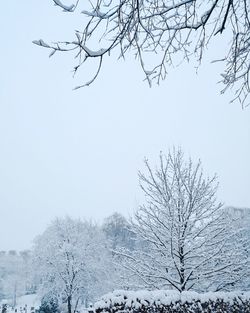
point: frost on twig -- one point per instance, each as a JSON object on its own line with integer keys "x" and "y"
{"x": 190, "y": 241}
{"x": 66, "y": 8}
{"x": 159, "y": 33}
{"x": 41, "y": 43}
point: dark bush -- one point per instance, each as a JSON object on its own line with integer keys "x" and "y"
{"x": 49, "y": 305}
{"x": 163, "y": 301}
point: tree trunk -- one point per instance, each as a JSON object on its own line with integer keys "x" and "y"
{"x": 182, "y": 269}
{"x": 69, "y": 304}
{"x": 14, "y": 294}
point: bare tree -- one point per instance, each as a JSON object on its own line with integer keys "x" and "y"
{"x": 170, "y": 30}
{"x": 186, "y": 230}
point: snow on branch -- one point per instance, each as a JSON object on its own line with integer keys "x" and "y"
{"x": 190, "y": 241}
{"x": 168, "y": 31}
{"x": 41, "y": 43}
{"x": 66, "y": 8}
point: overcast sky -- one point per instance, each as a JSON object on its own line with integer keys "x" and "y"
{"x": 79, "y": 152}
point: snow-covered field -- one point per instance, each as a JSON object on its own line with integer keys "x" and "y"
{"x": 24, "y": 304}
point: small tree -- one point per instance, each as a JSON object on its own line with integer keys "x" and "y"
{"x": 185, "y": 230}
{"x": 49, "y": 305}
{"x": 158, "y": 30}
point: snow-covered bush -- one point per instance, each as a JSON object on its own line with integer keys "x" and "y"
{"x": 49, "y": 305}
{"x": 160, "y": 301}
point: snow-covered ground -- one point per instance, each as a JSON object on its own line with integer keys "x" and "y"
{"x": 27, "y": 303}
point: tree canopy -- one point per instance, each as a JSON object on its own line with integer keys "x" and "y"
{"x": 72, "y": 262}
{"x": 190, "y": 240}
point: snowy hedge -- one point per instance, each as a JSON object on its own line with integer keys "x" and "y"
{"x": 172, "y": 301}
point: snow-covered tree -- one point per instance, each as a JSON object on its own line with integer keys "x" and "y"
{"x": 185, "y": 230}
{"x": 117, "y": 230}
{"x": 119, "y": 235}
{"x": 240, "y": 218}
{"x": 15, "y": 274}
{"x": 161, "y": 33}
{"x": 72, "y": 261}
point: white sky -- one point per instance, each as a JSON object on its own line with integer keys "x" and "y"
{"x": 78, "y": 153}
